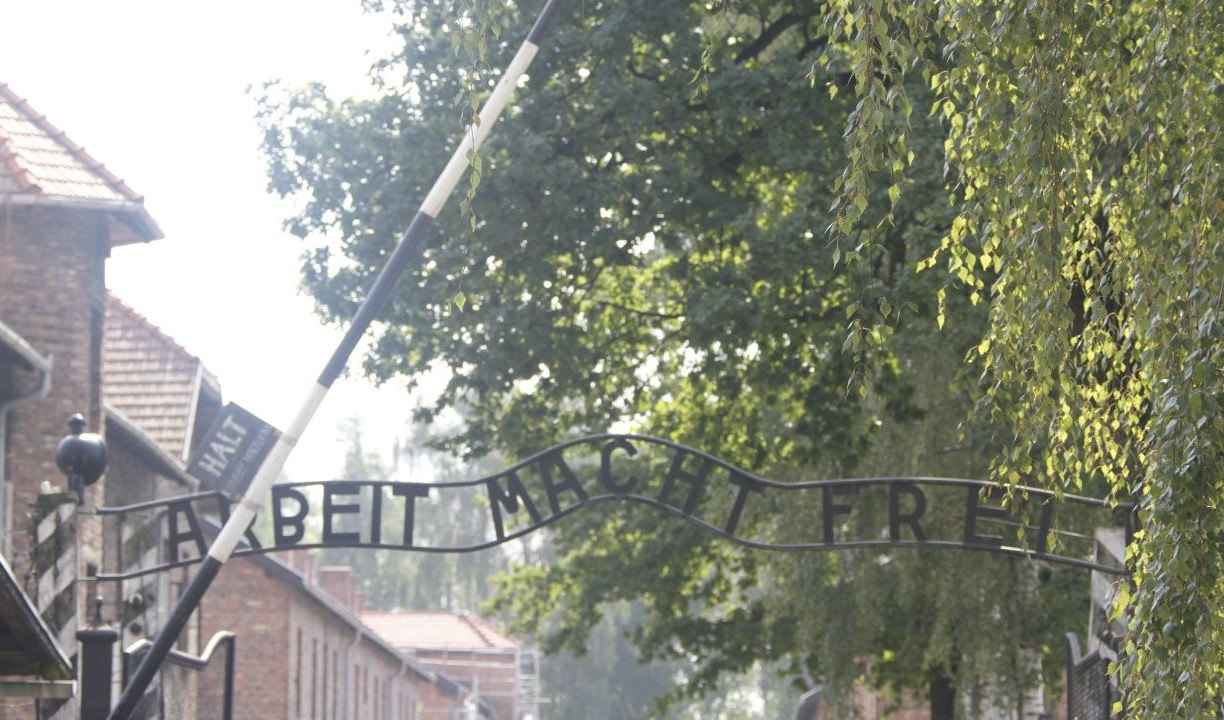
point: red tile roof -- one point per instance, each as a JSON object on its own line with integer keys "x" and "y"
{"x": 151, "y": 379}
{"x": 437, "y": 630}
{"x": 39, "y": 165}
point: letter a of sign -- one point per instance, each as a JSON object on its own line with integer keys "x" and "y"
{"x": 232, "y": 451}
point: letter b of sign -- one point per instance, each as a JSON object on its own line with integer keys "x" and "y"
{"x": 288, "y": 529}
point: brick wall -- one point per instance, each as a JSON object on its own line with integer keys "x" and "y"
{"x": 243, "y": 600}
{"x": 870, "y": 705}
{"x": 296, "y": 657}
{"x": 52, "y": 293}
{"x": 492, "y": 672}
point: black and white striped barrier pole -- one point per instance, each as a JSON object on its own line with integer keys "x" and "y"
{"x": 411, "y": 246}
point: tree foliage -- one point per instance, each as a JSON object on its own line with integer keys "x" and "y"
{"x": 1084, "y": 155}
{"x": 650, "y": 248}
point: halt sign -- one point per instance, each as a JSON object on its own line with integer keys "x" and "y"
{"x": 233, "y": 450}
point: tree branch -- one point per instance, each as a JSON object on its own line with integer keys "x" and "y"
{"x": 638, "y": 311}
{"x": 768, "y": 35}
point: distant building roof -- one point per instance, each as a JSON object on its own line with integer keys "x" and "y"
{"x": 39, "y": 165}
{"x": 437, "y": 630}
{"x": 153, "y": 381}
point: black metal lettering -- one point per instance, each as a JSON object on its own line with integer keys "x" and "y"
{"x": 696, "y": 482}
{"x": 280, "y": 521}
{"x": 176, "y": 537}
{"x": 973, "y": 511}
{"x": 569, "y": 480}
{"x": 500, "y": 499}
{"x": 376, "y": 516}
{"x": 605, "y": 466}
{"x": 1043, "y": 528}
{"x": 831, "y": 508}
{"x": 331, "y": 509}
{"x": 410, "y": 492}
{"x": 745, "y": 485}
{"x": 896, "y": 517}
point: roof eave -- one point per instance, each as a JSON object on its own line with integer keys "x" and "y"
{"x": 137, "y": 225}
{"x": 35, "y": 637}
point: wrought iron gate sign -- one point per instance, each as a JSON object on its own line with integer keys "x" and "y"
{"x": 883, "y": 512}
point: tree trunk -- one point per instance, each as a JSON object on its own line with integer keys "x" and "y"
{"x": 943, "y": 696}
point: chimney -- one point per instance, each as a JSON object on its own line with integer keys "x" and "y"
{"x": 339, "y": 582}
{"x": 303, "y": 562}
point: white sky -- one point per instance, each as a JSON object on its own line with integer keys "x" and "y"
{"x": 156, "y": 90}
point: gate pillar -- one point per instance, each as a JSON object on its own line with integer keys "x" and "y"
{"x": 97, "y": 665}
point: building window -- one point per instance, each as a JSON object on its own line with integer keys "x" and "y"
{"x": 297, "y": 675}
{"x": 323, "y": 709}
{"x": 314, "y": 679}
{"x": 335, "y": 684}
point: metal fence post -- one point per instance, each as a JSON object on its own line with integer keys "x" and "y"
{"x": 97, "y": 663}
{"x": 227, "y": 708}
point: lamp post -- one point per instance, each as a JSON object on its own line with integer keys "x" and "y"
{"x": 81, "y": 456}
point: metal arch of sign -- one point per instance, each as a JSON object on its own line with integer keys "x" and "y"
{"x": 714, "y": 495}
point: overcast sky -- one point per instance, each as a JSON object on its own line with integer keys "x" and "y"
{"x": 157, "y": 91}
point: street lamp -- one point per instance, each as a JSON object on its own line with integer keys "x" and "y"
{"x": 81, "y": 456}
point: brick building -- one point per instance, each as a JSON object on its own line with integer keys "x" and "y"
{"x": 315, "y": 659}
{"x": 66, "y": 347}
{"x": 61, "y": 212}
{"x": 500, "y": 668}
{"x": 301, "y": 653}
